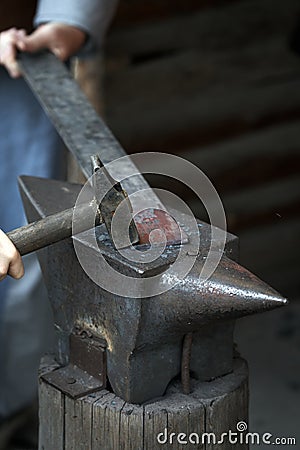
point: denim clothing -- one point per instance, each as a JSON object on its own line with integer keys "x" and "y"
{"x": 29, "y": 145}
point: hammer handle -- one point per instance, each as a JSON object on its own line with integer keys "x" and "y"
{"x": 50, "y": 230}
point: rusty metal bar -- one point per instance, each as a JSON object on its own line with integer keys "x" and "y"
{"x": 186, "y": 362}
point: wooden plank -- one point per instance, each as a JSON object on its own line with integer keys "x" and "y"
{"x": 131, "y": 427}
{"x": 185, "y": 415}
{"x": 264, "y": 204}
{"x": 135, "y": 11}
{"x": 228, "y": 407}
{"x": 251, "y": 159}
{"x": 229, "y": 156}
{"x": 51, "y": 417}
{"x": 79, "y": 421}
{"x": 204, "y": 118}
{"x": 182, "y": 110}
{"x": 267, "y": 203}
{"x": 106, "y": 420}
{"x": 155, "y": 422}
{"x": 235, "y": 24}
{"x": 224, "y": 414}
{"x": 181, "y": 73}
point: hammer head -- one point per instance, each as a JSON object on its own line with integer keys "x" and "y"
{"x": 151, "y": 226}
{"x": 110, "y": 196}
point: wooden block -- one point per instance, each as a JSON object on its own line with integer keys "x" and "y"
{"x": 79, "y": 422}
{"x": 131, "y": 427}
{"x": 223, "y": 413}
{"x": 177, "y": 413}
{"x": 104, "y": 421}
{"x": 51, "y": 417}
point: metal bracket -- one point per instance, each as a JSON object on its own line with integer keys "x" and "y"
{"x": 86, "y": 372}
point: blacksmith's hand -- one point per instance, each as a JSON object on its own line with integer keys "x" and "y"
{"x": 61, "y": 39}
{"x": 10, "y": 259}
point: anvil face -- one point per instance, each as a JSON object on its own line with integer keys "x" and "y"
{"x": 144, "y": 332}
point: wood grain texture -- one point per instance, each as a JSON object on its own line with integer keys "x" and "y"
{"x": 104, "y": 421}
{"x": 234, "y": 25}
{"x": 200, "y": 77}
{"x": 132, "y": 427}
{"x": 135, "y": 11}
{"x": 51, "y": 418}
{"x": 79, "y": 422}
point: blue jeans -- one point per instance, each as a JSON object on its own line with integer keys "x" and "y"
{"x": 29, "y": 145}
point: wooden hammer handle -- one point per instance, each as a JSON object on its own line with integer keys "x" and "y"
{"x": 50, "y": 230}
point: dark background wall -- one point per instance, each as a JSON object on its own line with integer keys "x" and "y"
{"x": 217, "y": 83}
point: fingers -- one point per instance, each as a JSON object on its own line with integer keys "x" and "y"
{"x": 61, "y": 39}
{"x": 36, "y": 41}
{"x": 45, "y": 37}
{"x": 9, "y": 41}
{"x": 10, "y": 259}
{"x": 16, "y": 268}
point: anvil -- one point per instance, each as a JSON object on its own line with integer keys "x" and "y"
{"x": 144, "y": 327}
{"x": 144, "y": 334}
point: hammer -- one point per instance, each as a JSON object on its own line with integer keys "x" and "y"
{"x": 88, "y": 138}
{"x": 56, "y": 227}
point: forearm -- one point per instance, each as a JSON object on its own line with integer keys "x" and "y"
{"x": 92, "y": 16}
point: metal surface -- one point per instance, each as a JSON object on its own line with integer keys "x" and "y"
{"x": 80, "y": 127}
{"x": 73, "y": 381}
{"x": 59, "y": 226}
{"x": 116, "y": 197}
{"x": 88, "y": 353}
{"x": 86, "y": 372}
{"x": 144, "y": 335}
{"x": 85, "y": 135}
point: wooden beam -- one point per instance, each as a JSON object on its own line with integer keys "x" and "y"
{"x": 234, "y": 25}
{"x": 191, "y": 98}
{"x": 135, "y": 11}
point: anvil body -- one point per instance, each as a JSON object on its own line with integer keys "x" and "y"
{"x": 144, "y": 334}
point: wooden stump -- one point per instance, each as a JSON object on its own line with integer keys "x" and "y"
{"x": 103, "y": 421}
